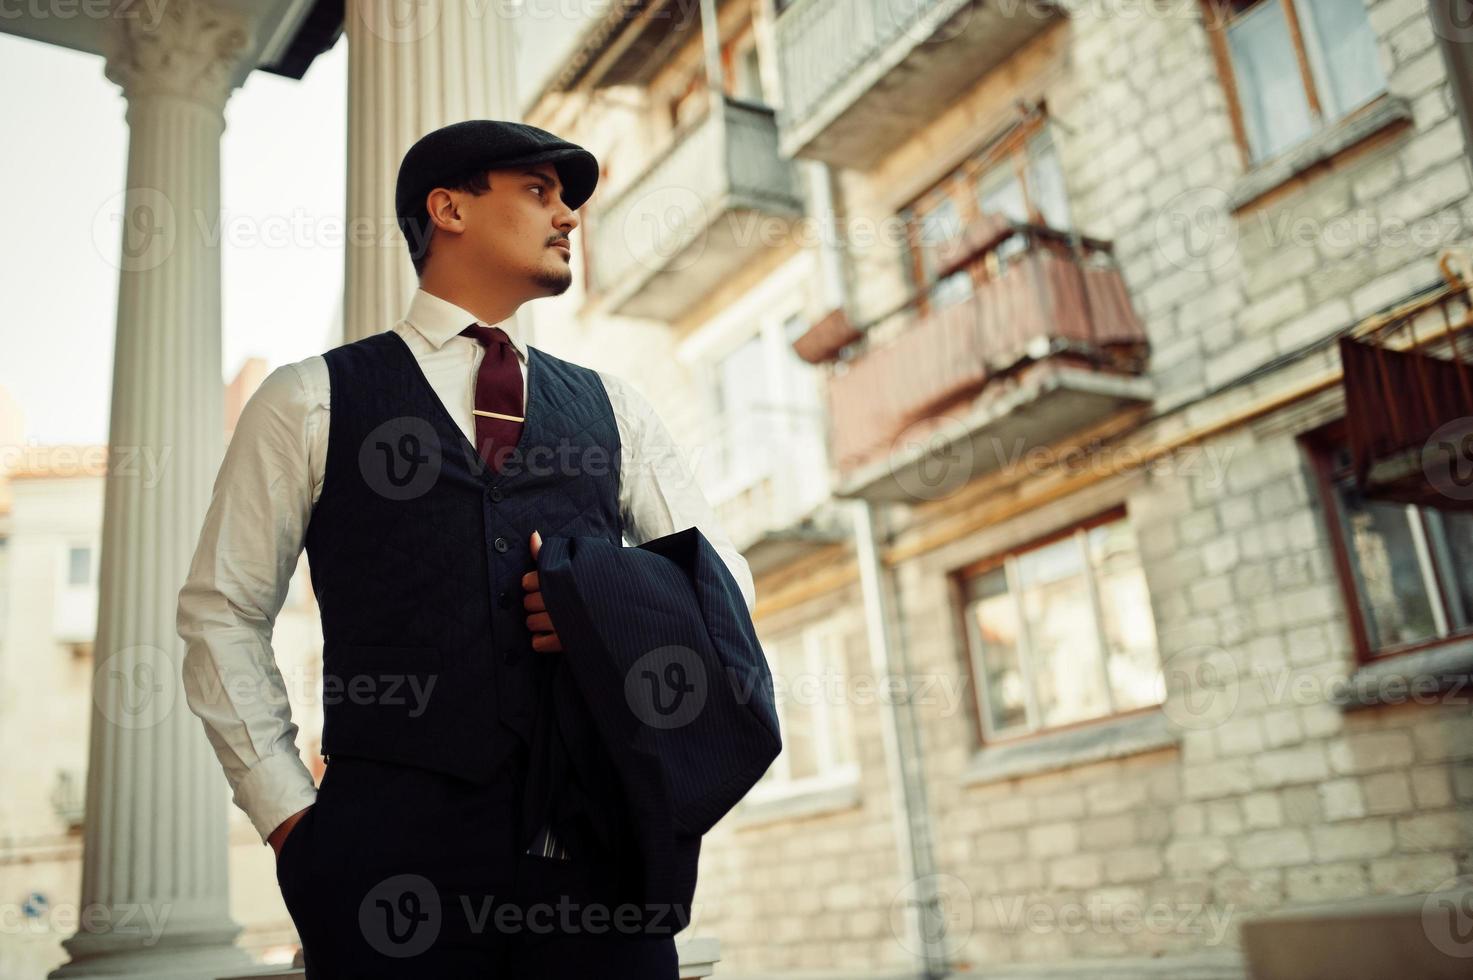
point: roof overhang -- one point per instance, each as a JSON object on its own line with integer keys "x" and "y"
{"x": 286, "y": 35}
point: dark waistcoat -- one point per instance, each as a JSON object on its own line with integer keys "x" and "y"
{"x": 417, "y": 550}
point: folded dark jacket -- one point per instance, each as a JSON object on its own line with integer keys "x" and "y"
{"x": 657, "y": 716}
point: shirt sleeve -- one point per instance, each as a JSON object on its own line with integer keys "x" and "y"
{"x": 658, "y": 493}
{"x": 237, "y": 582}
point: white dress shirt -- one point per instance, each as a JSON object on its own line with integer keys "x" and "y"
{"x": 262, "y": 500}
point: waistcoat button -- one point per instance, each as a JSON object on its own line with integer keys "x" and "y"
{"x": 500, "y": 544}
{"x": 496, "y": 494}
{"x": 503, "y": 600}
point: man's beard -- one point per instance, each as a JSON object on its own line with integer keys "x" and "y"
{"x": 555, "y": 282}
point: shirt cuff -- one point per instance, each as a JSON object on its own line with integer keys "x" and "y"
{"x": 275, "y": 788}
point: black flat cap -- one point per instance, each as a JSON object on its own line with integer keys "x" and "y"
{"x": 451, "y": 152}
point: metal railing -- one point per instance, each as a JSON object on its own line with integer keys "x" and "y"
{"x": 1057, "y": 294}
{"x": 728, "y": 157}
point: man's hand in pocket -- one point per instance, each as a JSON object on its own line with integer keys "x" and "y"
{"x": 277, "y": 837}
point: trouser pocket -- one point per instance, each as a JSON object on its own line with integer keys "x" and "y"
{"x": 288, "y": 863}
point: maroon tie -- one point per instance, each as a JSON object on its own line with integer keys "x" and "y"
{"x": 498, "y": 395}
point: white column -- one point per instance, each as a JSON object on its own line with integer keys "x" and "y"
{"x": 155, "y": 899}
{"x": 413, "y": 66}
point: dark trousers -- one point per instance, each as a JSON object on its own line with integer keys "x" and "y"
{"x": 401, "y": 872}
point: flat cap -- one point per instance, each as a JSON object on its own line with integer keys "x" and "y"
{"x": 451, "y": 152}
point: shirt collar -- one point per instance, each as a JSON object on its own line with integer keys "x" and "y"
{"x": 437, "y": 320}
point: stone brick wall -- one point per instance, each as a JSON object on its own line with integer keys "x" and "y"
{"x": 1149, "y": 155}
{"x": 811, "y": 893}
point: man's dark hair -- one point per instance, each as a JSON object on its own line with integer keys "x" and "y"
{"x": 420, "y": 229}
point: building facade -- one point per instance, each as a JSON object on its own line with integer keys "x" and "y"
{"x": 1090, "y": 650}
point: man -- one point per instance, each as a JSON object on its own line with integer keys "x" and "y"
{"x": 419, "y": 468}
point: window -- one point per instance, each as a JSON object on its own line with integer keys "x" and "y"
{"x": 942, "y": 224}
{"x": 1038, "y": 195}
{"x": 808, "y": 665}
{"x": 1062, "y": 632}
{"x": 79, "y": 565}
{"x": 1294, "y": 65}
{"x": 741, "y": 394}
{"x": 1045, "y": 182}
{"x": 1018, "y": 176}
{"x": 1407, "y": 570}
{"x": 742, "y": 70}
{"x": 769, "y": 416}
{"x": 69, "y": 797}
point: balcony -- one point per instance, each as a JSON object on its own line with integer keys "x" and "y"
{"x": 627, "y": 45}
{"x": 862, "y": 76}
{"x": 771, "y": 529}
{"x": 1409, "y": 396}
{"x": 700, "y": 211}
{"x": 1047, "y": 344}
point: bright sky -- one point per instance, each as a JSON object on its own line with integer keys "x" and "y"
{"x": 283, "y": 162}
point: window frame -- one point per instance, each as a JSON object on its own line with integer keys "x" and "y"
{"x": 965, "y": 627}
{"x": 811, "y": 638}
{"x": 1218, "y": 17}
{"x": 727, "y": 436}
{"x": 72, "y": 548}
{"x": 1321, "y": 446}
{"x": 962, "y": 186}
{"x": 783, "y": 373}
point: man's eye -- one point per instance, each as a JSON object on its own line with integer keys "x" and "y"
{"x": 539, "y": 187}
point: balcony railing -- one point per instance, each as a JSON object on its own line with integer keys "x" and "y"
{"x": 1046, "y": 343}
{"x": 1408, "y": 381}
{"x": 860, "y": 76}
{"x": 696, "y": 214}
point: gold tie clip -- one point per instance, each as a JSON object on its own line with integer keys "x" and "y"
{"x": 498, "y": 415}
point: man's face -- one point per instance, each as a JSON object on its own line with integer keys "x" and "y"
{"x": 513, "y": 228}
